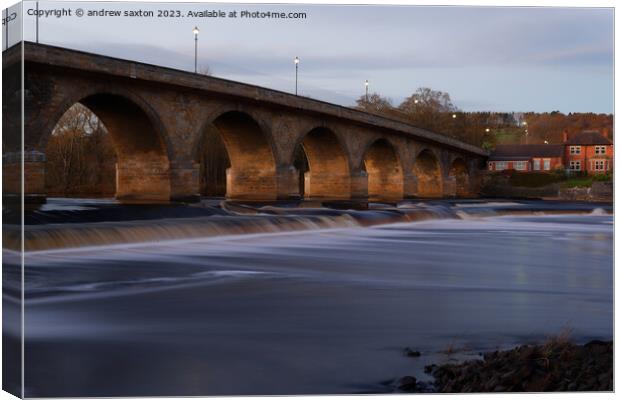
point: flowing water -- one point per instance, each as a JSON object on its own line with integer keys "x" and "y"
{"x": 283, "y": 300}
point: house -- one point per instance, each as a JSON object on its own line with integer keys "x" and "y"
{"x": 526, "y": 157}
{"x": 588, "y": 151}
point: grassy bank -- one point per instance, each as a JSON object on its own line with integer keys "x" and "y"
{"x": 586, "y": 181}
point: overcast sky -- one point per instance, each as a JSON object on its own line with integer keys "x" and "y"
{"x": 498, "y": 59}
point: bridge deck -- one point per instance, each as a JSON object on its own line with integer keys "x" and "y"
{"x": 94, "y": 63}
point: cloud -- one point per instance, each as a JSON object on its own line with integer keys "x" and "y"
{"x": 397, "y": 48}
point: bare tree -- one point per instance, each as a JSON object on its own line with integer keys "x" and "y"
{"x": 80, "y": 155}
{"x": 206, "y": 70}
{"x": 374, "y": 103}
{"x": 427, "y": 100}
{"x": 213, "y": 164}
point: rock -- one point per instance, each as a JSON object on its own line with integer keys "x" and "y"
{"x": 430, "y": 368}
{"x": 424, "y": 387}
{"x": 596, "y": 347}
{"x": 604, "y": 377}
{"x": 407, "y": 383}
{"x": 412, "y": 353}
{"x": 553, "y": 366}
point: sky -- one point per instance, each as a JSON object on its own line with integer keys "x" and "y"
{"x": 486, "y": 58}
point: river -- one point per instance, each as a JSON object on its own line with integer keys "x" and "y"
{"x": 306, "y": 301}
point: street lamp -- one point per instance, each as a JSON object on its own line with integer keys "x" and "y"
{"x": 196, "y": 31}
{"x": 37, "y": 22}
{"x": 296, "y": 73}
{"x": 453, "y": 116}
{"x": 488, "y": 130}
{"x": 366, "y": 84}
{"x": 526, "y": 135}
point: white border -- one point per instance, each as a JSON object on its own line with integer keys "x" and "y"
{"x": 485, "y": 3}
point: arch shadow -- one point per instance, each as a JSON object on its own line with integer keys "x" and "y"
{"x": 385, "y": 173}
{"x": 460, "y": 173}
{"x": 427, "y": 170}
{"x": 328, "y": 174}
{"x": 252, "y": 171}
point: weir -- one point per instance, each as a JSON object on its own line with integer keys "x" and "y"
{"x": 70, "y": 224}
{"x": 244, "y": 220}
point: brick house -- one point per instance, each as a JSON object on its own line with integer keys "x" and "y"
{"x": 526, "y": 157}
{"x": 588, "y": 151}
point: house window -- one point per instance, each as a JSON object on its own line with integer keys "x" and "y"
{"x": 500, "y": 165}
{"x": 520, "y": 165}
{"x": 575, "y": 149}
{"x": 547, "y": 164}
{"x": 599, "y": 165}
{"x": 575, "y": 166}
{"x": 536, "y": 166}
{"x": 600, "y": 149}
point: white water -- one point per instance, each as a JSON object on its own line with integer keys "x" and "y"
{"x": 311, "y": 311}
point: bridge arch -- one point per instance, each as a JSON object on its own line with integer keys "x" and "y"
{"x": 460, "y": 173}
{"x": 427, "y": 170}
{"x": 248, "y": 144}
{"x": 140, "y": 141}
{"x": 328, "y": 174}
{"x": 384, "y": 170}
{"x": 81, "y": 96}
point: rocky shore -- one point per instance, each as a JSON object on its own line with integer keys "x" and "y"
{"x": 553, "y": 366}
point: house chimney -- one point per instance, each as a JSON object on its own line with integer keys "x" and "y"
{"x": 606, "y": 133}
{"x": 565, "y": 136}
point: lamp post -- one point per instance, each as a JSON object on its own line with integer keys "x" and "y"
{"x": 296, "y": 73}
{"x": 6, "y": 29}
{"x": 196, "y": 31}
{"x": 366, "y": 84}
{"x": 37, "y": 24}
{"x": 526, "y": 131}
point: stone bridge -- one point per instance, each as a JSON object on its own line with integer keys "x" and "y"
{"x": 157, "y": 118}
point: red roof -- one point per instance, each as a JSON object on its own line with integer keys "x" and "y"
{"x": 516, "y": 152}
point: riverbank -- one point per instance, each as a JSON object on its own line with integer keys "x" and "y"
{"x": 548, "y": 186}
{"x": 555, "y": 366}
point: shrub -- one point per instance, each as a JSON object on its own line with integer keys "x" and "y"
{"x": 560, "y": 173}
{"x": 535, "y": 179}
{"x": 603, "y": 177}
